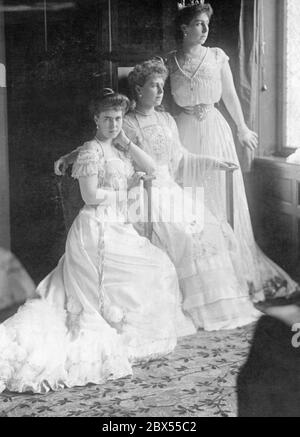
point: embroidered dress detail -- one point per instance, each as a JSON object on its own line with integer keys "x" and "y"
{"x": 199, "y": 111}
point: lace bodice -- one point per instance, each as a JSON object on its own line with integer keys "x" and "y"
{"x": 157, "y": 135}
{"x": 113, "y": 173}
{"x": 196, "y": 83}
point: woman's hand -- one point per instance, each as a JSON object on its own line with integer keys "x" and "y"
{"x": 122, "y": 141}
{"x": 219, "y": 164}
{"x": 60, "y": 166}
{"x": 135, "y": 179}
{"x": 227, "y": 166}
{"x": 248, "y": 138}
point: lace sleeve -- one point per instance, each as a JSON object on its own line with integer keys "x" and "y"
{"x": 88, "y": 161}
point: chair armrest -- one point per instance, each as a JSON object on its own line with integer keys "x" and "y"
{"x": 147, "y": 184}
{"x": 148, "y": 178}
{"x": 229, "y": 194}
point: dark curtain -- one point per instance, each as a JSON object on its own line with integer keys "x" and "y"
{"x": 249, "y": 64}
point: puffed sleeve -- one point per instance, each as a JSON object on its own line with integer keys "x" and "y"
{"x": 221, "y": 56}
{"x": 88, "y": 162}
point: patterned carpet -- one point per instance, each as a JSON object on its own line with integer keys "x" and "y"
{"x": 196, "y": 380}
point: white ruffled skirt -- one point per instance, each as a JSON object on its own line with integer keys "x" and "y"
{"x": 125, "y": 295}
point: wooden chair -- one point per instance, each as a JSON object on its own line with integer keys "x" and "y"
{"x": 229, "y": 195}
{"x": 71, "y": 201}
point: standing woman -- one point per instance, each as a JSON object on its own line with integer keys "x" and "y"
{"x": 200, "y": 77}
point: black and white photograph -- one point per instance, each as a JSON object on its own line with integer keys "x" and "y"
{"x": 149, "y": 211}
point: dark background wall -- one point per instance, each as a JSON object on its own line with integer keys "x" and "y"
{"x": 50, "y": 78}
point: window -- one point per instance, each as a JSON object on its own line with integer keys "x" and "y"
{"x": 292, "y": 75}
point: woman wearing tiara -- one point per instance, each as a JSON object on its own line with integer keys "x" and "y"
{"x": 199, "y": 77}
{"x": 215, "y": 294}
{"x": 113, "y": 299}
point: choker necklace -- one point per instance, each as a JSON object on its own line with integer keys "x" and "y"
{"x": 143, "y": 113}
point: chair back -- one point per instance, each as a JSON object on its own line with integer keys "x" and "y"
{"x": 70, "y": 197}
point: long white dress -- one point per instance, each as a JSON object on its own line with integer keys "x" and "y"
{"x": 204, "y": 253}
{"x": 121, "y": 290}
{"x": 206, "y": 132}
{"x": 15, "y": 284}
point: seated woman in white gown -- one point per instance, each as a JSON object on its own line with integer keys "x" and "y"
{"x": 113, "y": 299}
{"x": 15, "y": 283}
{"x": 215, "y": 294}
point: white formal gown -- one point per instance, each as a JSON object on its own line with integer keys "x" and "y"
{"x": 206, "y": 132}
{"x": 121, "y": 290}
{"x": 204, "y": 251}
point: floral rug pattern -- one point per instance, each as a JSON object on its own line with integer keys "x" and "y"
{"x": 196, "y": 380}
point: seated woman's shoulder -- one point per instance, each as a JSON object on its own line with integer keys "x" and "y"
{"x": 167, "y": 116}
{"x": 91, "y": 146}
{"x": 130, "y": 126}
{"x": 89, "y": 151}
{"x": 129, "y": 118}
{"x": 170, "y": 60}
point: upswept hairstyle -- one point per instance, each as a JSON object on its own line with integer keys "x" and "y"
{"x": 109, "y": 99}
{"x": 141, "y": 72}
{"x": 187, "y": 14}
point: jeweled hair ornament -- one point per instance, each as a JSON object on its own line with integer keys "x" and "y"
{"x": 158, "y": 59}
{"x": 183, "y": 4}
{"x": 107, "y": 92}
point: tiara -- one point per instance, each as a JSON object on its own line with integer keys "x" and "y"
{"x": 158, "y": 59}
{"x": 181, "y": 5}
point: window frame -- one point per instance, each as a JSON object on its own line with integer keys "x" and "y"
{"x": 282, "y": 149}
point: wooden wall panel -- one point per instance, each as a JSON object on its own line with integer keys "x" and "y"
{"x": 277, "y": 210}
